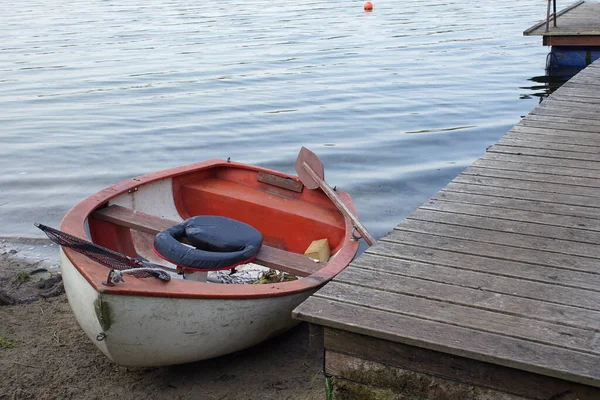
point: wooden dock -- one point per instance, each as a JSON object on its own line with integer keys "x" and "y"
{"x": 576, "y": 25}
{"x": 491, "y": 289}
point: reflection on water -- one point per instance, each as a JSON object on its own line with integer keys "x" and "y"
{"x": 555, "y": 77}
{"x": 395, "y": 102}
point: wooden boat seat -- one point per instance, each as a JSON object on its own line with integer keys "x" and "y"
{"x": 268, "y": 256}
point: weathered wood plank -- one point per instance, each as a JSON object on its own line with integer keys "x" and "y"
{"x": 501, "y": 252}
{"x": 385, "y": 293}
{"x": 570, "y": 97}
{"x": 563, "y": 155}
{"x": 498, "y": 281}
{"x": 454, "y": 368}
{"x": 569, "y": 94}
{"x": 588, "y": 81}
{"x": 594, "y": 65}
{"x": 531, "y": 122}
{"x": 553, "y": 131}
{"x": 565, "y": 100}
{"x": 372, "y": 380}
{"x": 556, "y": 103}
{"x": 586, "y": 74}
{"x": 535, "y": 174}
{"x": 516, "y": 142}
{"x": 446, "y": 285}
{"x": 587, "y": 133}
{"x": 464, "y": 262}
{"x": 487, "y": 235}
{"x": 510, "y": 352}
{"x": 550, "y": 189}
{"x": 316, "y": 338}
{"x": 287, "y": 261}
{"x": 486, "y": 210}
{"x": 572, "y": 40}
{"x": 558, "y": 137}
{"x": 572, "y": 85}
{"x": 577, "y": 92}
{"x": 566, "y": 123}
{"x": 575, "y": 205}
{"x": 570, "y": 112}
{"x": 515, "y": 165}
{"x": 559, "y": 118}
{"x": 547, "y": 183}
{"x": 549, "y": 141}
{"x": 534, "y": 229}
{"x": 541, "y": 160}
{"x": 574, "y": 82}
{"x": 279, "y": 181}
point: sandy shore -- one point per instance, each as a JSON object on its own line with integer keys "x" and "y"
{"x": 45, "y": 355}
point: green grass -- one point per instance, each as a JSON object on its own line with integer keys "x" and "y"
{"x": 329, "y": 388}
{"x": 6, "y": 342}
{"x": 22, "y": 277}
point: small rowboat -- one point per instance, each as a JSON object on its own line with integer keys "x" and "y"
{"x": 149, "y": 322}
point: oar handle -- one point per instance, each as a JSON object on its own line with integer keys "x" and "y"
{"x": 339, "y": 204}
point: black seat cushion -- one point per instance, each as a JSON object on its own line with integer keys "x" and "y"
{"x": 218, "y": 243}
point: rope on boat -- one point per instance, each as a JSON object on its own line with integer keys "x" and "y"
{"x": 115, "y": 276}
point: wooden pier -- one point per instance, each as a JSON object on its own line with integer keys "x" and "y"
{"x": 576, "y": 25}
{"x": 491, "y": 289}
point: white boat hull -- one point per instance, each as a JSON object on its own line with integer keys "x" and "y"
{"x": 146, "y": 322}
{"x": 155, "y": 331}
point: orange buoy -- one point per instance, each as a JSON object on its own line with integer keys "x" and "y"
{"x": 368, "y": 6}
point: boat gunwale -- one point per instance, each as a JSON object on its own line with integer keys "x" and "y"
{"x": 94, "y": 273}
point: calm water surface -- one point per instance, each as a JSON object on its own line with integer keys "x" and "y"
{"x": 395, "y": 102}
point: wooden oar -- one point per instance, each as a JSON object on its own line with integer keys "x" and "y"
{"x": 311, "y": 172}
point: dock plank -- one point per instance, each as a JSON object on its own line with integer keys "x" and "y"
{"x": 550, "y": 293}
{"x": 491, "y": 250}
{"x": 546, "y": 183}
{"x": 540, "y": 160}
{"x": 511, "y": 214}
{"x": 467, "y": 196}
{"x": 565, "y": 156}
{"x": 566, "y": 123}
{"x": 575, "y": 205}
{"x": 488, "y": 235}
{"x": 571, "y": 112}
{"x": 390, "y": 298}
{"x": 576, "y": 96}
{"x": 566, "y": 130}
{"x": 524, "y": 172}
{"x": 413, "y": 279}
{"x": 536, "y": 228}
{"x": 559, "y": 137}
{"x": 516, "y": 142}
{"x": 472, "y": 262}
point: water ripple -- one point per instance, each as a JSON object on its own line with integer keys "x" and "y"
{"x": 396, "y": 102}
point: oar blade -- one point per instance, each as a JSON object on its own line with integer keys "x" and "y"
{"x": 310, "y": 158}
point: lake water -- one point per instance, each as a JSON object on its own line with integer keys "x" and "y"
{"x": 395, "y": 102}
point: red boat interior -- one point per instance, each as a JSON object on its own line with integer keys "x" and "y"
{"x": 288, "y": 215}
